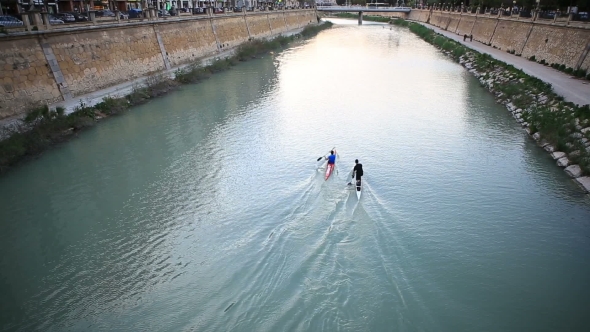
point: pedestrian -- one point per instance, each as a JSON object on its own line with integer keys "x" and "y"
{"x": 470, "y": 38}
{"x": 464, "y": 37}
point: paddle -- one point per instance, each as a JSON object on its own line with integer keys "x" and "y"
{"x": 324, "y": 156}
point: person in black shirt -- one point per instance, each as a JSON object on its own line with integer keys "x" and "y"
{"x": 358, "y": 171}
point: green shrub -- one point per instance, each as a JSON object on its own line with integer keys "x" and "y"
{"x": 532, "y": 58}
{"x": 400, "y": 22}
{"x": 110, "y": 105}
{"x": 580, "y": 73}
{"x": 562, "y": 67}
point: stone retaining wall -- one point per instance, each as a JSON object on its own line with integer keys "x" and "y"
{"x": 51, "y": 66}
{"x": 559, "y": 44}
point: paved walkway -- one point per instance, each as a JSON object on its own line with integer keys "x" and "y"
{"x": 572, "y": 89}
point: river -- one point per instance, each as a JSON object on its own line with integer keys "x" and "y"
{"x": 204, "y": 210}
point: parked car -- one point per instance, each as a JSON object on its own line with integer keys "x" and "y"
{"x": 135, "y": 13}
{"x": 198, "y": 10}
{"x": 123, "y": 16}
{"x": 162, "y": 13}
{"x": 66, "y": 17}
{"x": 79, "y": 17}
{"x": 55, "y": 20}
{"x": 105, "y": 13}
{"x": 7, "y": 21}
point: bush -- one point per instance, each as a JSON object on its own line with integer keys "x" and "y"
{"x": 400, "y": 22}
{"x": 532, "y": 58}
{"x": 110, "y": 105}
{"x": 580, "y": 73}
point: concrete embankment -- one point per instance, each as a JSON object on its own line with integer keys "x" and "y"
{"x": 60, "y": 66}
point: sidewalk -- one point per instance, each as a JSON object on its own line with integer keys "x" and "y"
{"x": 572, "y": 89}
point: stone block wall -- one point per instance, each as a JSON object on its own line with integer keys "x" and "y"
{"x": 558, "y": 45}
{"x": 294, "y": 20}
{"x": 419, "y": 15}
{"x": 484, "y": 28}
{"x": 259, "y": 26}
{"x": 25, "y": 76}
{"x": 454, "y": 19}
{"x": 51, "y": 66}
{"x": 511, "y": 35}
{"x": 98, "y": 59}
{"x": 465, "y": 25}
{"x": 187, "y": 41}
{"x": 439, "y": 19}
{"x": 231, "y": 31}
{"x": 555, "y": 44}
{"x": 277, "y": 23}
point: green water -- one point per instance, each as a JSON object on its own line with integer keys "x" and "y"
{"x": 205, "y": 210}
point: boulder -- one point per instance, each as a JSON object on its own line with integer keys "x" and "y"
{"x": 518, "y": 110}
{"x": 549, "y": 148}
{"x": 536, "y": 136}
{"x": 563, "y": 162}
{"x": 557, "y": 155}
{"x": 574, "y": 171}
{"x": 574, "y": 154}
{"x": 542, "y": 99}
{"x": 585, "y": 130}
{"x": 576, "y": 135}
{"x": 584, "y": 182}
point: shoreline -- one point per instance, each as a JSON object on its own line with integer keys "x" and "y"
{"x": 560, "y": 127}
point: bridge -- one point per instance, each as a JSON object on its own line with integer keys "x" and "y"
{"x": 361, "y": 10}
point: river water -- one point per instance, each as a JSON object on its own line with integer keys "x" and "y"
{"x": 204, "y": 210}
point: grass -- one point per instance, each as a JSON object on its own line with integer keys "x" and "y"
{"x": 42, "y": 127}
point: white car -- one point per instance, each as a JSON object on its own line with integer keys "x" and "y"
{"x": 55, "y": 20}
{"x": 10, "y": 21}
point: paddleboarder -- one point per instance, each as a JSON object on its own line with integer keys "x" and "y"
{"x": 358, "y": 171}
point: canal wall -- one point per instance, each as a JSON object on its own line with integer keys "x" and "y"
{"x": 54, "y": 66}
{"x": 554, "y": 43}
